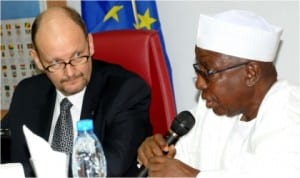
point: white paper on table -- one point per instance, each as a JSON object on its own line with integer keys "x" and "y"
{"x": 9, "y": 170}
{"x": 45, "y": 161}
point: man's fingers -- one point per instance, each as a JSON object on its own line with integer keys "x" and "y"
{"x": 160, "y": 140}
{"x": 172, "y": 151}
{"x": 152, "y": 146}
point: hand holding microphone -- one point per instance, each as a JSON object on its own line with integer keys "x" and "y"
{"x": 153, "y": 146}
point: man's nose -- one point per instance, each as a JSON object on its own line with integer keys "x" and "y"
{"x": 69, "y": 69}
{"x": 200, "y": 83}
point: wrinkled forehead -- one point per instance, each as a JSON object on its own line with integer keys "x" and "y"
{"x": 212, "y": 57}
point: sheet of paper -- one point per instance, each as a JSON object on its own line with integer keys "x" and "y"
{"x": 12, "y": 170}
{"x": 46, "y": 161}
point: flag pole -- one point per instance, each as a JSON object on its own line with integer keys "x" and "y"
{"x": 134, "y": 10}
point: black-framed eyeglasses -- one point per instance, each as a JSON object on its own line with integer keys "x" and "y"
{"x": 62, "y": 65}
{"x": 203, "y": 71}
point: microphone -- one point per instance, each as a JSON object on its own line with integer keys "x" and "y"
{"x": 180, "y": 126}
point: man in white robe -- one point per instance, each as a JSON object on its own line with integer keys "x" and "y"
{"x": 247, "y": 121}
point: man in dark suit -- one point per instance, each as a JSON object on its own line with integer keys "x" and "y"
{"x": 115, "y": 99}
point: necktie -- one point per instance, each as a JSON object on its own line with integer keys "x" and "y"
{"x": 63, "y": 133}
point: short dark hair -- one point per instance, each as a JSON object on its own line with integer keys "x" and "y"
{"x": 70, "y": 12}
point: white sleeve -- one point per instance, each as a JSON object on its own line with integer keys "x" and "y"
{"x": 184, "y": 146}
{"x": 275, "y": 155}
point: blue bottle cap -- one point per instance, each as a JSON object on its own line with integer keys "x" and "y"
{"x": 85, "y": 124}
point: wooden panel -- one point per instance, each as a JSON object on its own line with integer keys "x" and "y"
{"x": 51, "y": 3}
{"x": 3, "y": 112}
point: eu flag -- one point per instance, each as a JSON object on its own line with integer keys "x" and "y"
{"x": 115, "y": 15}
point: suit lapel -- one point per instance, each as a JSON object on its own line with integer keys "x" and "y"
{"x": 47, "y": 114}
{"x": 93, "y": 91}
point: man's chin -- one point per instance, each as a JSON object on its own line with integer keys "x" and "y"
{"x": 72, "y": 91}
{"x": 219, "y": 112}
{"x": 73, "y": 87}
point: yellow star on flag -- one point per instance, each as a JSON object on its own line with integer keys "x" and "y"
{"x": 145, "y": 20}
{"x": 113, "y": 13}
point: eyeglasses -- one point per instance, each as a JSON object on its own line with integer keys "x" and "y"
{"x": 206, "y": 72}
{"x": 73, "y": 62}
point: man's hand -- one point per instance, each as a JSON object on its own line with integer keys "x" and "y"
{"x": 167, "y": 166}
{"x": 152, "y": 146}
{"x": 158, "y": 158}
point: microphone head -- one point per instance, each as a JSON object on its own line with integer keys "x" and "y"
{"x": 183, "y": 123}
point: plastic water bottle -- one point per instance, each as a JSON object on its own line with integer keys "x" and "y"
{"x": 88, "y": 159}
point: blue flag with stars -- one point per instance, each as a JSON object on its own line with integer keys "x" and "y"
{"x": 116, "y": 15}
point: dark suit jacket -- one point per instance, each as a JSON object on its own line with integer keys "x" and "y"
{"x": 117, "y": 101}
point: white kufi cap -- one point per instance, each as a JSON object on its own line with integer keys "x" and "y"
{"x": 239, "y": 33}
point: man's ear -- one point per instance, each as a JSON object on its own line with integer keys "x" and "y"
{"x": 36, "y": 59}
{"x": 253, "y": 73}
{"x": 91, "y": 44}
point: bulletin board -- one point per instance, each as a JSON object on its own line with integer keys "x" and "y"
{"x": 15, "y": 31}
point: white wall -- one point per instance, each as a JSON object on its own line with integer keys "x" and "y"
{"x": 179, "y": 24}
